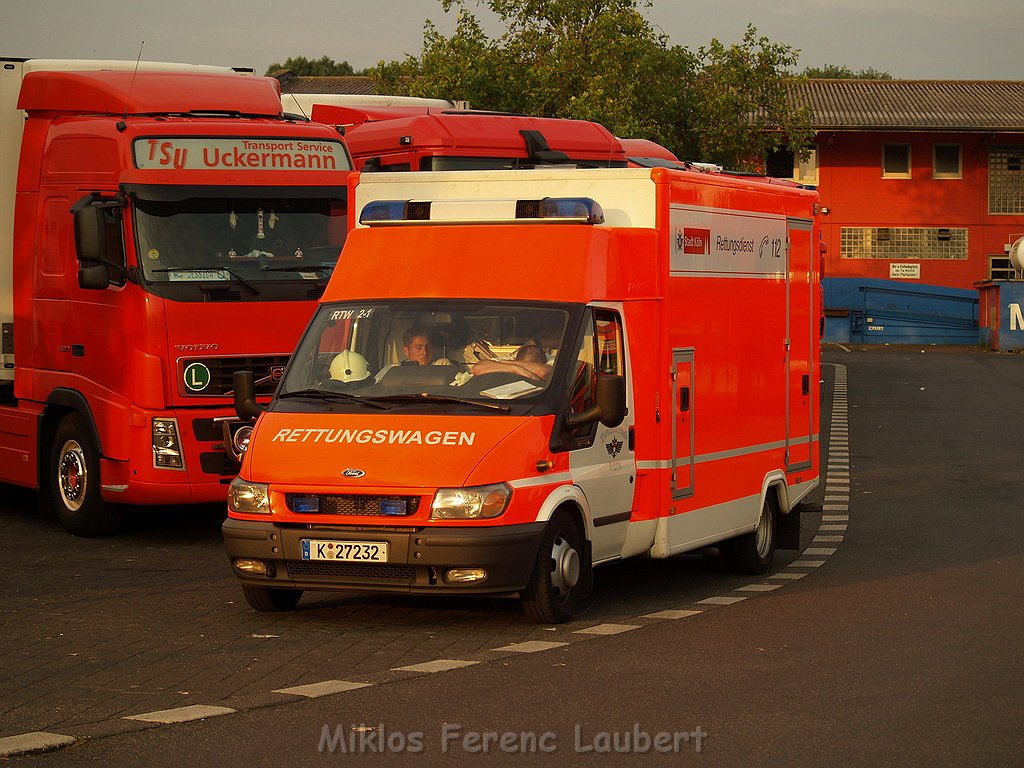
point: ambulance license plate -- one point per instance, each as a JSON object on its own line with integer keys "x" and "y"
{"x": 345, "y": 551}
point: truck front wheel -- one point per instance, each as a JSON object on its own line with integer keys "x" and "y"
{"x": 553, "y": 593}
{"x": 75, "y": 482}
{"x": 271, "y": 598}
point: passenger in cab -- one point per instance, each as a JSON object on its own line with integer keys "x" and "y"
{"x": 530, "y": 363}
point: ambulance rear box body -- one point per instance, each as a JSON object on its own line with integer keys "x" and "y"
{"x": 673, "y": 404}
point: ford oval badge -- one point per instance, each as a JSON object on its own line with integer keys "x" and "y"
{"x": 353, "y": 473}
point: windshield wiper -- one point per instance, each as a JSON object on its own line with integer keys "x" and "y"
{"x": 298, "y": 268}
{"x": 425, "y": 398}
{"x": 216, "y": 267}
{"x": 323, "y": 394}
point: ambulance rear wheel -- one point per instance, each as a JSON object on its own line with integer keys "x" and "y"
{"x": 752, "y": 552}
{"x": 553, "y": 593}
{"x": 269, "y": 599}
{"x": 75, "y": 482}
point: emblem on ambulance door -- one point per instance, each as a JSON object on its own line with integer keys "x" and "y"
{"x": 614, "y": 446}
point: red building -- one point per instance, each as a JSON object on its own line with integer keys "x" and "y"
{"x": 922, "y": 193}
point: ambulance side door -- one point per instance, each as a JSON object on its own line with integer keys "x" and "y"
{"x": 801, "y": 327}
{"x": 603, "y": 463}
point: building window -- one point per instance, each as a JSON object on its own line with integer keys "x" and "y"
{"x": 999, "y": 268}
{"x": 806, "y": 171}
{"x": 898, "y": 243}
{"x": 946, "y": 162}
{"x": 896, "y": 161}
{"x": 1006, "y": 179}
{"x": 780, "y": 164}
{"x": 785, "y": 164}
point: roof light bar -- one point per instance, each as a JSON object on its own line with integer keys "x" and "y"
{"x": 554, "y": 210}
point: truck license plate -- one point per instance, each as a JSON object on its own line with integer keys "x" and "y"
{"x": 345, "y": 551}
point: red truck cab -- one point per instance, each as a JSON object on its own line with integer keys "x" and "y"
{"x": 169, "y": 227}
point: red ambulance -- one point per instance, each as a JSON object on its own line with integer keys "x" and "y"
{"x": 514, "y": 378}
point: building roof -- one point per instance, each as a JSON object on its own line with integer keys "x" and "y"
{"x": 351, "y": 84}
{"x": 914, "y": 105}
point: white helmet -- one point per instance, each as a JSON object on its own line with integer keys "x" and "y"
{"x": 349, "y": 366}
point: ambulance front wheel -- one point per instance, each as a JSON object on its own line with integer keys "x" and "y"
{"x": 553, "y": 593}
{"x": 74, "y": 482}
{"x": 752, "y": 552}
{"x": 269, "y": 599}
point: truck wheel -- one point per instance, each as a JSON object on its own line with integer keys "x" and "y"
{"x": 75, "y": 482}
{"x": 268, "y": 599}
{"x": 553, "y": 593}
{"x": 752, "y": 552}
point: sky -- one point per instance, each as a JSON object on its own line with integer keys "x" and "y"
{"x": 911, "y": 39}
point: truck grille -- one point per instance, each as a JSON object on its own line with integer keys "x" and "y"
{"x": 352, "y": 504}
{"x": 266, "y": 369}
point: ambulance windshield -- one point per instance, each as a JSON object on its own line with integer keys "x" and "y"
{"x": 398, "y": 351}
{"x": 248, "y": 236}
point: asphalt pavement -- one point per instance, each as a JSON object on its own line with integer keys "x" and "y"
{"x": 892, "y": 639}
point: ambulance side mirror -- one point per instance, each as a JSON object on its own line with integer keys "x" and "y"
{"x": 611, "y": 399}
{"x": 245, "y": 396}
{"x": 610, "y": 408}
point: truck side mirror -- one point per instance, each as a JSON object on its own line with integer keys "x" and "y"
{"x": 610, "y": 408}
{"x": 90, "y": 232}
{"x": 245, "y": 396}
{"x": 96, "y": 232}
{"x": 93, "y": 276}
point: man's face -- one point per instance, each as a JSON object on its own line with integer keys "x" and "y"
{"x": 418, "y": 350}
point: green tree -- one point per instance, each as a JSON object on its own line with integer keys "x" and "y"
{"x": 840, "y": 72}
{"x": 300, "y": 66}
{"x": 597, "y": 60}
{"x": 742, "y": 99}
{"x": 602, "y": 60}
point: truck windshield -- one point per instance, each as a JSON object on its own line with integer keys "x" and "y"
{"x": 442, "y": 352}
{"x": 249, "y": 238}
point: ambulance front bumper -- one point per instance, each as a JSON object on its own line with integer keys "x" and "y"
{"x": 440, "y": 561}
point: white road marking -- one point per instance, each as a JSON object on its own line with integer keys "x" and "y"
{"x": 438, "y": 665}
{"x": 325, "y": 688}
{"x": 182, "y": 714}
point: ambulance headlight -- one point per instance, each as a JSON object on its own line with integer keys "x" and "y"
{"x": 475, "y": 503}
{"x": 248, "y": 498}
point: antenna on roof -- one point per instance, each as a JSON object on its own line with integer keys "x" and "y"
{"x": 124, "y": 118}
{"x": 299, "y": 105}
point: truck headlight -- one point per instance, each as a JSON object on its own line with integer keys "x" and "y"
{"x": 166, "y": 445}
{"x": 248, "y": 498}
{"x": 470, "y": 503}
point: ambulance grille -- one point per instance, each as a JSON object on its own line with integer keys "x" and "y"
{"x": 353, "y": 504}
{"x": 390, "y": 571}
